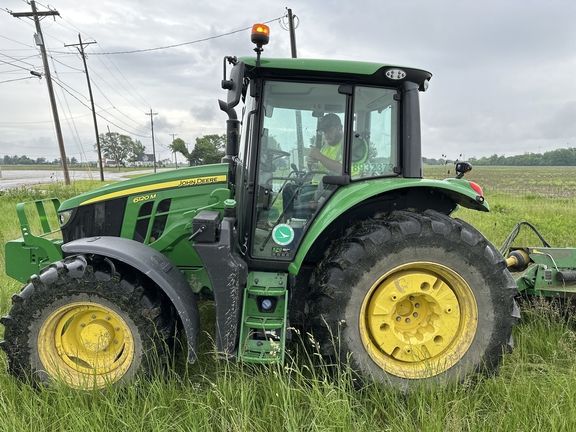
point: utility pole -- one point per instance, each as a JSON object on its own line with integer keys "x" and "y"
{"x": 152, "y": 114}
{"x": 175, "y": 160}
{"x": 291, "y": 29}
{"x": 40, "y": 41}
{"x": 81, "y": 50}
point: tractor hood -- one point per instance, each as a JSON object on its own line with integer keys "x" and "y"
{"x": 149, "y": 184}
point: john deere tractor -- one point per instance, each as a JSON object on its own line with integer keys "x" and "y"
{"x": 363, "y": 254}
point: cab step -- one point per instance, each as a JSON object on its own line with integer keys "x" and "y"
{"x": 264, "y": 318}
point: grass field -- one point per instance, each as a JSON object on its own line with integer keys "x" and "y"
{"x": 534, "y": 391}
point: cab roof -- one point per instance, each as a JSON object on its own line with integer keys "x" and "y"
{"x": 366, "y": 72}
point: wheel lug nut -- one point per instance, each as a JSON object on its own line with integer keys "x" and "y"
{"x": 415, "y": 314}
{"x": 117, "y": 328}
{"x": 417, "y": 305}
{"x": 407, "y": 320}
{"x": 107, "y": 318}
{"x": 93, "y": 316}
{"x": 82, "y": 325}
{"x": 411, "y": 298}
{"x": 398, "y": 319}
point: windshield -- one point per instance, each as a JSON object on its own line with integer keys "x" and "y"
{"x": 306, "y": 135}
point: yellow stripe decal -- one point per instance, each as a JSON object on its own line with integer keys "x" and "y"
{"x": 166, "y": 185}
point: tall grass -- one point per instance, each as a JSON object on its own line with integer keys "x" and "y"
{"x": 534, "y": 391}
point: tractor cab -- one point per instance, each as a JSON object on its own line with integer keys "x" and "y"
{"x": 309, "y": 128}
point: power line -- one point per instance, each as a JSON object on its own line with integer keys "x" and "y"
{"x": 21, "y": 43}
{"x": 100, "y": 115}
{"x": 38, "y": 122}
{"x": 179, "y": 44}
{"x": 122, "y": 85}
{"x": 16, "y": 79}
{"x": 19, "y": 60}
{"x": 65, "y": 65}
{"x": 15, "y": 65}
{"x": 62, "y": 84}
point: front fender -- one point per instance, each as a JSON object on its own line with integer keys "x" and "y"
{"x": 457, "y": 191}
{"x": 158, "y": 268}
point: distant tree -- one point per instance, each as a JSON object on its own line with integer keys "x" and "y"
{"x": 179, "y": 146}
{"x": 208, "y": 149}
{"x": 40, "y": 161}
{"x": 118, "y": 147}
{"x": 25, "y": 160}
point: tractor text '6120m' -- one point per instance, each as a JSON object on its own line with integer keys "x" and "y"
{"x": 318, "y": 218}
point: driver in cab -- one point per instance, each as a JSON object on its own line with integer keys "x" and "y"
{"x": 329, "y": 158}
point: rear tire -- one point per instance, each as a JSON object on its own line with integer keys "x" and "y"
{"x": 82, "y": 323}
{"x": 414, "y": 297}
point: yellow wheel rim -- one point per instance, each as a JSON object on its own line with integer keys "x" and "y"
{"x": 418, "y": 320}
{"x": 85, "y": 344}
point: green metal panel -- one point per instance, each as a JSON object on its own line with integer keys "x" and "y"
{"x": 341, "y": 67}
{"x": 345, "y": 198}
{"x": 145, "y": 186}
{"x": 263, "y": 334}
{"x": 540, "y": 277}
{"x": 38, "y": 245}
{"x": 23, "y": 259}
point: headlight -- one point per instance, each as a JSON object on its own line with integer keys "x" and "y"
{"x": 64, "y": 217}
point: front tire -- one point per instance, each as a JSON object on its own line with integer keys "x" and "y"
{"x": 82, "y": 323}
{"x": 414, "y": 297}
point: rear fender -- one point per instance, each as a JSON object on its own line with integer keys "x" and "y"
{"x": 158, "y": 268}
{"x": 442, "y": 195}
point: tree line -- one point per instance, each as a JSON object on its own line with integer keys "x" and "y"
{"x": 558, "y": 157}
{"x": 25, "y": 160}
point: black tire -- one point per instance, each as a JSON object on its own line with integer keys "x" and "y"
{"x": 413, "y": 298}
{"x": 82, "y": 323}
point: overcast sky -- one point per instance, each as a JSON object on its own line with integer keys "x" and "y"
{"x": 504, "y": 72}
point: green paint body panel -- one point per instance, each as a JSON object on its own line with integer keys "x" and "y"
{"x": 346, "y": 198}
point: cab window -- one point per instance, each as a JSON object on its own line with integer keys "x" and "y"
{"x": 376, "y": 124}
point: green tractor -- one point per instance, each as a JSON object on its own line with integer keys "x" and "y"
{"x": 360, "y": 251}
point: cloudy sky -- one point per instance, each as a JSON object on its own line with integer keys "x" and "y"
{"x": 504, "y": 72}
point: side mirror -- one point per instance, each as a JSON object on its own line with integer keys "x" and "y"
{"x": 235, "y": 84}
{"x": 462, "y": 168}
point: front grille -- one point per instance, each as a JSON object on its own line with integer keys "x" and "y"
{"x": 98, "y": 219}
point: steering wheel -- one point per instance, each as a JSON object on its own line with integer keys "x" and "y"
{"x": 275, "y": 153}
